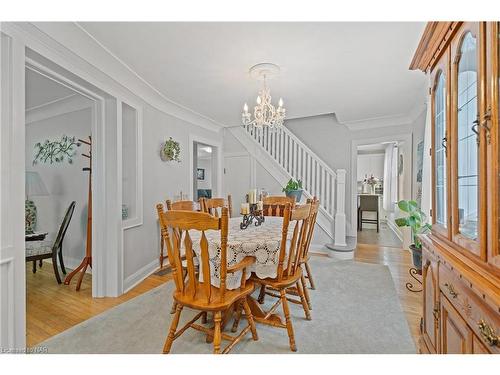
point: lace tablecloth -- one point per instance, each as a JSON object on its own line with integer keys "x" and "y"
{"x": 262, "y": 242}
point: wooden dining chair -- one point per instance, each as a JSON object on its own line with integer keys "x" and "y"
{"x": 274, "y": 203}
{"x": 202, "y": 295}
{"x": 214, "y": 205}
{"x": 289, "y": 274}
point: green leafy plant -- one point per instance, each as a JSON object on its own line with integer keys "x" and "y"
{"x": 171, "y": 151}
{"x": 416, "y": 220}
{"x": 56, "y": 151}
{"x": 292, "y": 185}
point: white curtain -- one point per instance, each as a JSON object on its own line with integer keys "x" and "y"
{"x": 390, "y": 177}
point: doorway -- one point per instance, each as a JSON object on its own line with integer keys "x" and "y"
{"x": 380, "y": 179}
{"x": 206, "y": 170}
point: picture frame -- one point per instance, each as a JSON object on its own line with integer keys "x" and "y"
{"x": 200, "y": 173}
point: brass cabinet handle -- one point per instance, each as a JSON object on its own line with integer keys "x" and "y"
{"x": 488, "y": 333}
{"x": 451, "y": 290}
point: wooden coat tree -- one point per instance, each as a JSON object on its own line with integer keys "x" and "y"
{"x": 87, "y": 260}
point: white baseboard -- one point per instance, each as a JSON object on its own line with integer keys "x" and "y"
{"x": 140, "y": 275}
{"x": 392, "y": 225}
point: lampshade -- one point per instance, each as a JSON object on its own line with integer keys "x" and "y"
{"x": 34, "y": 185}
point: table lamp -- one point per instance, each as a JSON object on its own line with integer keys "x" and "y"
{"x": 34, "y": 186}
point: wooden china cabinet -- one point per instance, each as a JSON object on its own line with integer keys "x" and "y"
{"x": 461, "y": 256}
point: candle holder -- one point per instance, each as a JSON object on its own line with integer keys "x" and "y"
{"x": 255, "y": 214}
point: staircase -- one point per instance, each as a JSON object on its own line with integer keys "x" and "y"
{"x": 284, "y": 156}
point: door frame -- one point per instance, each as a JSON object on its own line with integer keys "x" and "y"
{"x": 107, "y": 243}
{"x": 407, "y": 138}
{"x": 217, "y": 147}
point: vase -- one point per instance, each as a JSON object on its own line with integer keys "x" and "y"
{"x": 297, "y": 194}
{"x": 416, "y": 255}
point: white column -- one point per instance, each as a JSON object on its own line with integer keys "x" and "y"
{"x": 340, "y": 224}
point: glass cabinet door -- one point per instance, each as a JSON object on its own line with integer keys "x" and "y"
{"x": 440, "y": 180}
{"x": 468, "y": 140}
{"x": 440, "y": 123}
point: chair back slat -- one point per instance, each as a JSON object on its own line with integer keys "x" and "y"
{"x": 214, "y": 206}
{"x": 205, "y": 266}
{"x": 274, "y": 210}
{"x": 178, "y": 224}
{"x": 64, "y": 225}
{"x": 312, "y": 223}
{"x": 191, "y": 269}
{"x": 299, "y": 218}
{"x": 284, "y": 236}
{"x": 181, "y": 205}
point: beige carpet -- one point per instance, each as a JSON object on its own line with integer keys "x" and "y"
{"x": 355, "y": 310}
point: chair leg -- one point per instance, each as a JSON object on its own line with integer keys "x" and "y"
{"x": 303, "y": 300}
{"x": 309, "y": 276}
{"x": 237, "y": 317}
{"x": 173, "y": 308}
{"x": 61, "y": 261}
{"x": 204, "y": 318}
{"x": 262, "y": 294}
{"x": 360, "y": 220}
{"x": 56, "y": 270}
{"x": 251, "y": 322}
{"x": 40, "y": 263}
{"x": 306, "y": 293}
{"x": 289, "y": 326}
{"x": 34, "y": 266}
{"x": 173, "y": 328}
{"x": 217, "y": 332}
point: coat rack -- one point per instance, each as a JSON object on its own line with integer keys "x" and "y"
{"x": 87, "y": 260}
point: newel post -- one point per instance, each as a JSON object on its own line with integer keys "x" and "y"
{"x": 340, "y": 223}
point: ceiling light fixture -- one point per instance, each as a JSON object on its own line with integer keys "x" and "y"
{"x": 264, "y": 113}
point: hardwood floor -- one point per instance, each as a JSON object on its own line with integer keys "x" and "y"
{"x": 398, "y": 261}
{"x": 53, "y": 308}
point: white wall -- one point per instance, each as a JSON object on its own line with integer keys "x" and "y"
{"x": 161, "y": 181}
{"x": 370, "y": 165}
{"x": 65, "y": 182}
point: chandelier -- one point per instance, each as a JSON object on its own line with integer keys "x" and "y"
{"x": 264, "y": 113}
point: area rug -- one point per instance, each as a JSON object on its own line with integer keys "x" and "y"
{"x": 355, "y": 310}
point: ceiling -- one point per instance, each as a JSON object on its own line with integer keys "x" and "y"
{"x": 358, "y": 71}
{"x": 41, "y": 90}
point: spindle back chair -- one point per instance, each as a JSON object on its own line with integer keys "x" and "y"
{"x": 202, "y": 295}
{"x": 289, "y": 271}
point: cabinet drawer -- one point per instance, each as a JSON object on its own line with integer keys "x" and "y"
{"x": 483, "y": 321}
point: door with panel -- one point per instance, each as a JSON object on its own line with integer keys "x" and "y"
{"x": 456, "y": 336}
{"x": 468, "y": 138}
{"x": 430, "y": 320}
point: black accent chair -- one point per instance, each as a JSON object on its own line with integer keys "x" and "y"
{"x": 39, "y": 250}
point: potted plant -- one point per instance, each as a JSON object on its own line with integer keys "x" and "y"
{"x": 293, "y": 189}
{"x": 170, "y": 151}
{"x": 416, "y": 220}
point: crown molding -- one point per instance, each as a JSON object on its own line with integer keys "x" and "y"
{"x": 70, "y": 42}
